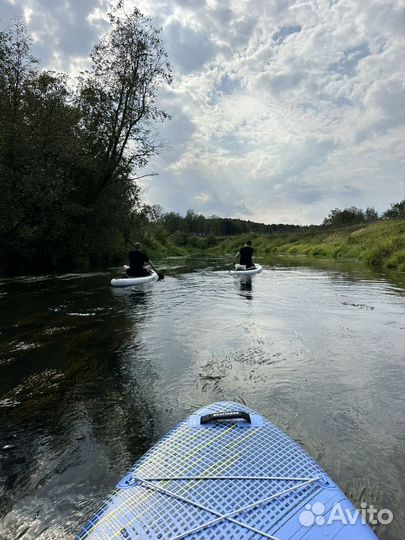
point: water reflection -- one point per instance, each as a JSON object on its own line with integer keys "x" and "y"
{"x": 244, "y": 284}
{"x": 67, "y": 410}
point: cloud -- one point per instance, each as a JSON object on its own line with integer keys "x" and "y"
{"x": 202, "y": 197}
{"x": 64, "y": 32}
{"x": 280, "y": 110}
{"x": 188, "y": 48}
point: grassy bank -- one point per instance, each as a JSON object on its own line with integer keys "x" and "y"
{"x": 380, "y": 244}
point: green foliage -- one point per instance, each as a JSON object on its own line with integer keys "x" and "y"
{"x": 117, "y": 97}
{"x": 214, "y": 226}
{"x": 349, "y": 216}
{"x": 67, "y": 158}
{"x": 180, "y": 238}
{"x": 370, "y": 215}
{"x": 211, "y": 241}
{"x": 380, "y": 244}
{"x": 396, "y": 211}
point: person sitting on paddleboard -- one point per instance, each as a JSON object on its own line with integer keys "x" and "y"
{"x": 137, "y": 260}
{"x": 245, "y": 256}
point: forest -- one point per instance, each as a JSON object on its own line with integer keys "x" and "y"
{"x": 69, "y": 150}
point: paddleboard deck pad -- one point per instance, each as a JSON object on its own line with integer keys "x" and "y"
{"x": 225, "y": 473}
{"x": 243, "y": 272}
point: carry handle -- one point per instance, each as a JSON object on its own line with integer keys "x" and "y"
{"x": 228, "y": 415}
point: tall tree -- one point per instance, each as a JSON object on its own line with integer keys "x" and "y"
{"x": 118, "y": 94}
{"x": 17, "y": 72}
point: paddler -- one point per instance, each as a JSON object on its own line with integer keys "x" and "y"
{"x": 245, "y": 256}
{"x": 137, "y": 261}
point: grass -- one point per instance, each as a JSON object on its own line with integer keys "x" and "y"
{"x": 380, "y": 244}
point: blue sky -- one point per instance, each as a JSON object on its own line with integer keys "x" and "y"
{"x": 281, "y": 109}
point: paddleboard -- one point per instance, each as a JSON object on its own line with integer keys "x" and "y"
{"x": 132, "y": 281}
{"x": 258, "y": 268}
{"x": 225, "y": 473}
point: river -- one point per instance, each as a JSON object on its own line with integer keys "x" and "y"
{"x": 90, "y": 377}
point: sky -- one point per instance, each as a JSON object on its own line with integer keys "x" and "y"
{"x": 281, "y": 109}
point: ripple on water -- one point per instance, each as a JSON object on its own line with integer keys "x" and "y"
{"x": 308, "y": 350}
{"x": 24, "y": 346}
{"x": 9, "y": 402}
{"x": 33, "y": 388}
{"x": 55, "y": 330}
{"x": 90, "y": 314}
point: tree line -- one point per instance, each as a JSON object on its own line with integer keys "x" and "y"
{"x": 199, "y": 225}
{"x": 185, "y": 230}
{"x": 354, "y": 215}
{"x": 69, "y": 149}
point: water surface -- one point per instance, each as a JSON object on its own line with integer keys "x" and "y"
{"x": 90, "y": 377}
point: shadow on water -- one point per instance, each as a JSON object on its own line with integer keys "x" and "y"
{"x": 91, "y": 376}
{"x": 244, "y": 284}
{"x": 67, "y": 411}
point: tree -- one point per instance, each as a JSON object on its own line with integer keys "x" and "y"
{"x": 16, "y": 76}
{"x": 173, "y": 222}
{"x": 348, "y": 216}
{"x": 155, "y": 213}
{"x": 396, "y": 211}
{"x": 370, "y": 214}
{"x": 68, "y": 194}
{"x": 118, "y": 94}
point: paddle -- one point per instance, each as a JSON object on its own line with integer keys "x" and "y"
{"x": 233, "y": 263}
{"x": 160, "y": 275}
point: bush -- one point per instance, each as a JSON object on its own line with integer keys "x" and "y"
{"x": 397, "y": 211}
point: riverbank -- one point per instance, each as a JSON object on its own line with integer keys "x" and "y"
{"x": 380, "y": 244}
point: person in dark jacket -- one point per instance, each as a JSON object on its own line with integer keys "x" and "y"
{"x": 245, "y": 256}
{"x": 137, "y": 261}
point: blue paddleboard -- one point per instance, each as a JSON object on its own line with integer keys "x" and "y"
{"x": 226, "y": 473}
